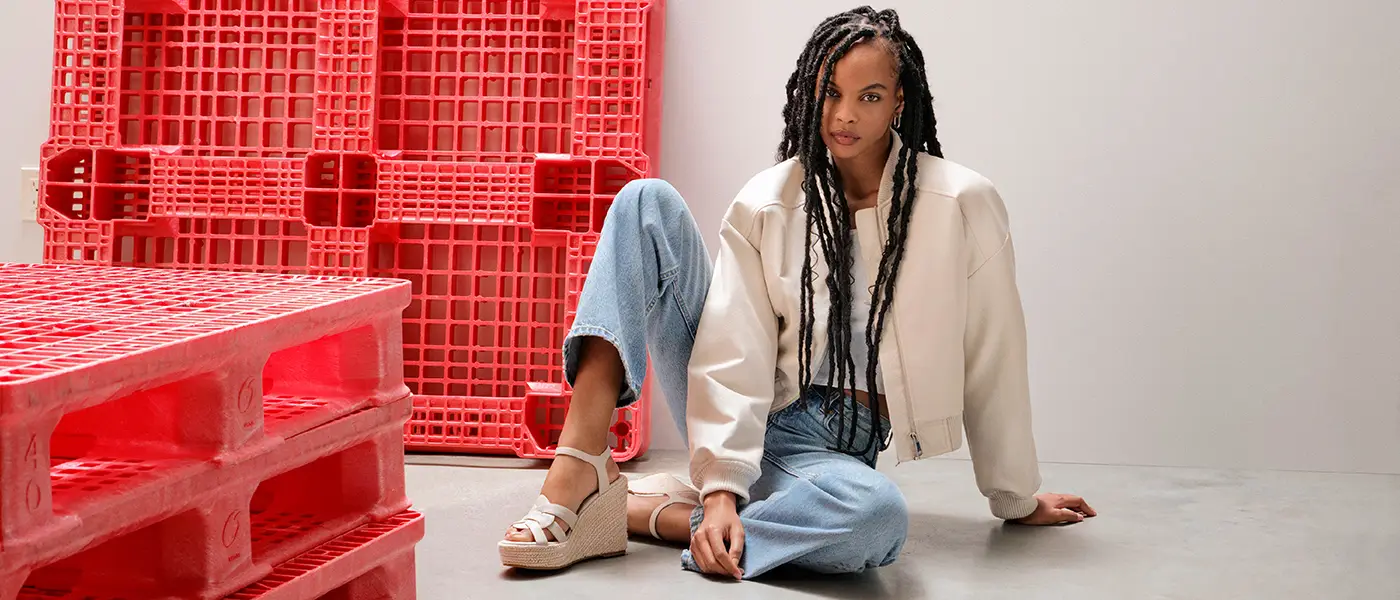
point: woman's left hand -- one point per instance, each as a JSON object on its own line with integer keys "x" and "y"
{"x": 1058, "y": 509}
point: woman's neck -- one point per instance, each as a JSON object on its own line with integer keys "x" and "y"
{"x": 861, "y": 175}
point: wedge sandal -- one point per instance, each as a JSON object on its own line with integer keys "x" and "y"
{"x": 597, "y": 530}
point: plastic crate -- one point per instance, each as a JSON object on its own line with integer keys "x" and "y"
{"x": 472, "y": 147}
{"x": 229, "y": 421}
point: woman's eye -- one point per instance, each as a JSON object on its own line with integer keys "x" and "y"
{"x": 871, "y": 97}
{"x": 833, "y": 94}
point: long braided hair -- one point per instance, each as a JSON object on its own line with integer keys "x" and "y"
{"x": 828, "y": 219}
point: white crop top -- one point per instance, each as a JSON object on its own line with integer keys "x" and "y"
{"x": 860, "y": 317}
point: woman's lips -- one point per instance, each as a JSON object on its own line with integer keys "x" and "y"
{"x": 844, "y": 138}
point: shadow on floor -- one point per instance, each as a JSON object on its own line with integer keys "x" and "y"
{"x": 939, "y": 541}
{"x": 948, "y": 538}
{"x": 890, "y": 582}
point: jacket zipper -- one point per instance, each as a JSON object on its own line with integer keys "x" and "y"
{"x": 908, "y": 395}
{"x": 818, "y": 347}
{"x": 909, "y": 404}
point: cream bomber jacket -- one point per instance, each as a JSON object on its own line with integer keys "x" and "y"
{"x": 953, "y": 358}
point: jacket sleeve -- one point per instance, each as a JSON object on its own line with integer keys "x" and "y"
{"x": 732, "y": 370}
{"x": 997, "y": 410}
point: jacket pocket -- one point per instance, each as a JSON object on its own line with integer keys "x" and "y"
{"x": 939, "y": 436}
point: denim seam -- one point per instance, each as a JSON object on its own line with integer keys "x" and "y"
{"x": 651, "y": 304}
{"x": 690, "y": 324}
{"x": 787, "y": 468}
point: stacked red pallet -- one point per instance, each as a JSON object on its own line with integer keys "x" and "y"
{"x": 471, "y": 147}
{"x": 194, "y": 435}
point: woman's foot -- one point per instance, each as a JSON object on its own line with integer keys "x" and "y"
{"x": 673, "y": 523}
{"x": 570, "y": 481}
{"x": 660, "y": 506}
{"x": 581, "y": 512}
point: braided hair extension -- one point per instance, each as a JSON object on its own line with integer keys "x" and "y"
{"x": 828, "y": 219}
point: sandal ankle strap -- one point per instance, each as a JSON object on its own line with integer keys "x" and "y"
{"x": 599, "y": 462}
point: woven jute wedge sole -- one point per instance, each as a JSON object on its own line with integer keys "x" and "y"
{"x": 601, "y": 532}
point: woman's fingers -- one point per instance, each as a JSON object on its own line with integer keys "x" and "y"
{"x": 736, "y": 546}
{"x": 1076, "y": 504}
{"x": 701, "y": 551}
{"x": 723, "y": 560}
{"x": 1086, "y": 509}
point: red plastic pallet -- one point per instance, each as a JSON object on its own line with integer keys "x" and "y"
{"x": 206, "y": 530}
{"x": 432, "y": 80}
{"x": 437, "y": 80}
{"x": 231, "y": 421}
{"x": 373, "y": 562}
{"x": 472, "y": 147}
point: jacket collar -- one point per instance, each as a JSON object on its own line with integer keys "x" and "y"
{"x": 820, "y": 270}
{"x": 882, "y": 210}
{"x": 886, "y": 192}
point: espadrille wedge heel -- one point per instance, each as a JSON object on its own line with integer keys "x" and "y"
{"x": 597, "y": 530}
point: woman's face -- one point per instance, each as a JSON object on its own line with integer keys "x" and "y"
{"x": 861, "y": 102}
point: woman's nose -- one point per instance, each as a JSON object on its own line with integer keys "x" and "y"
{"x": 844, "y": 114}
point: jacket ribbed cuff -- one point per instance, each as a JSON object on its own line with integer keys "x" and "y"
{"x": 726, "y": 476}
{"x": 1009, "y": 506}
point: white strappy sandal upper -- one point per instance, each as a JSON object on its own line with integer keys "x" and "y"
{"x": 675, "y": 490}
{"x": 598, "y": 529}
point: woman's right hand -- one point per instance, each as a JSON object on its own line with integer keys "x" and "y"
{"x": 719, "y": 542}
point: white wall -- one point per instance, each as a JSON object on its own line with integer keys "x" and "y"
{"x": 26, "y": 62}
{"x": 1204, "y": 194}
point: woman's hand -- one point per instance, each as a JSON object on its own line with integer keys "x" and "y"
{"x": 708, "y": 546}
{"x": 1058, "y": 509}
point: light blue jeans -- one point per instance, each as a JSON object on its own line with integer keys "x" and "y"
{"x": 811, "y": 508}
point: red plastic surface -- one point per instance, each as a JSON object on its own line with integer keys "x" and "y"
{"x": 201, "y": 529}
{"x": 58, "y": 320}
{"x": 231, "y": 421}
{"x": 471, "y": 147}
{"x": 432, "y": 80}
{"x": 373, "y": 562}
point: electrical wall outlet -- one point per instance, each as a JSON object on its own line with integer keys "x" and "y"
{"x": 29, "y": 194}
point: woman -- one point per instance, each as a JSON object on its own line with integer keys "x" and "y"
{"x": 864, "y": 298}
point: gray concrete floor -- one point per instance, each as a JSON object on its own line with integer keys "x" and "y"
{"x": 1162, "y": 533}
